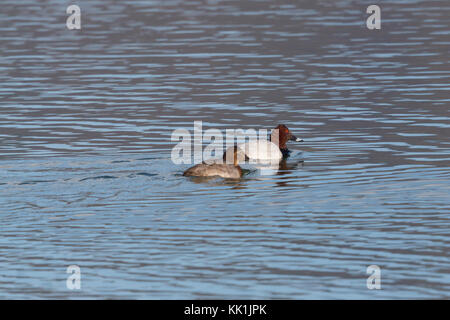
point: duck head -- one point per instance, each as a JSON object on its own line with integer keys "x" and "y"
{"x": 238, "y": 155}
{"x": 280, "y": 136}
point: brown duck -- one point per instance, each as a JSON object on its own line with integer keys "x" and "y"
{"x": 224, "y": 170}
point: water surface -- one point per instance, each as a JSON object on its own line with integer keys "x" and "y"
{"x": 86, "y": 177}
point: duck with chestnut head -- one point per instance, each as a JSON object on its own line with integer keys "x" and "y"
{"x": 273, "y": 149}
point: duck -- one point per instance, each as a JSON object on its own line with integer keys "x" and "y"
{"x": 273, "y": 149}
{"x": 213, "y": 169}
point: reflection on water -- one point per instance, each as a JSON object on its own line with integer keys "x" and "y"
{"x": 86, "y": 178}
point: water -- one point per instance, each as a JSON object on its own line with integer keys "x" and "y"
{"x": 86, "y": 177}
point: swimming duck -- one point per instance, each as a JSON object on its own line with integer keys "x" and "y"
{"x": 224, "y": 170}
{"x": 273, "y": 149}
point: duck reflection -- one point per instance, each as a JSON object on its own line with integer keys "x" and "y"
{"x": 284, "y": 167}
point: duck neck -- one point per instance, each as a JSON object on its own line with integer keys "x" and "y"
{"x": 285, "y": 152}
{"x": 278, "y": 140}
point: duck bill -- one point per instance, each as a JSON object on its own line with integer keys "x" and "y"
{"x": 294, "y": 138}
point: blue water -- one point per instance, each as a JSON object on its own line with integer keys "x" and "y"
{"x": 86, "y": 176}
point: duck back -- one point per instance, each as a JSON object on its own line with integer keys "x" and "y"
{"x": 262, "y": 150}
{"x": 211, "y": 170}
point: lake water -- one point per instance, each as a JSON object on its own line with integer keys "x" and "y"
{"x": 86, "y": 176}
